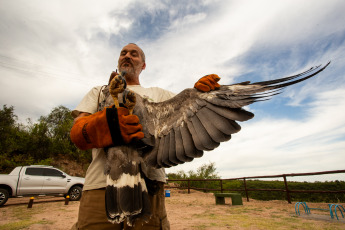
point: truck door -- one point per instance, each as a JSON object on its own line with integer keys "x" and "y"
{"x": 55, "y": 181}
{"x": 31, "y": 181}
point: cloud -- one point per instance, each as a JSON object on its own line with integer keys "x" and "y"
{"x": 52, "y": 53}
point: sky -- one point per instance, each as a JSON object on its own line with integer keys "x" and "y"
{"x": 53, "y": 52}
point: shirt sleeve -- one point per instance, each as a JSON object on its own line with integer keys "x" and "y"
{"x": 89, "y": 103}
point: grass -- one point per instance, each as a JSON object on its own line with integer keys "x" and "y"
{"x": 185, "y": 211}
{"x": 21, "y": 224}
{"x": 22, "y": 218}
{"x": 239, "y": 220}
{"x": 204, "y": 214}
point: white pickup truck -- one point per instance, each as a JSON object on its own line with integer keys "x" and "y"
{"x": 37, "y": 180}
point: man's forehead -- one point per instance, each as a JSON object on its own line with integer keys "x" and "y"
{"x": 130, "y": 47}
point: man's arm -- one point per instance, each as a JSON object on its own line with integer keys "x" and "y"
{"x": 80, "y": 115}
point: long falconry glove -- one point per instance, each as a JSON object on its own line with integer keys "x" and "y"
{"x": 207, "y": 83}
{"x": 109, "y": 127}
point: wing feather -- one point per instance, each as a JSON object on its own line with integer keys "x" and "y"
{"x": 181, "y": 128}
{"x": 151, "y": 158}
{"x": 196, "y": 138}
{"x": 172, "y": 150}
{"x": 237, "y": 114}
{"x": 166, "y": 149}
{"x": 189, "y": 146}
{"x": 213, "y": 128}
{"x": 160, "y": 152}
{"x": 223, "y": 124}
{"x": 180, "y": 153}
{"x": 203, "y": 133}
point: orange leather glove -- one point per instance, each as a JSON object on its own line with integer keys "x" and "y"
{"x": 207, "y": 83}
{"x": 109, "y": 127}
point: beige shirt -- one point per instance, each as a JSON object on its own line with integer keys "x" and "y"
{"x": 95, "y": 177}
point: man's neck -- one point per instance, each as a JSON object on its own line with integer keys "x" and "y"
{"x": 132, "y": 80}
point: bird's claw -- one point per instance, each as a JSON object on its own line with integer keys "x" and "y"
{"x": 117, "y": 85}
{"x": 129, "y": 100}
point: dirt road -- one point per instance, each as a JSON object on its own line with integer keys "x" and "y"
{"x": 185, "y": 211}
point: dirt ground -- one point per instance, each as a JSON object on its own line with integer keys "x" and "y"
{"x": 185, "y": 211}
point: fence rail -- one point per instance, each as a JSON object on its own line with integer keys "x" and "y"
{"x": 246, "y": 190}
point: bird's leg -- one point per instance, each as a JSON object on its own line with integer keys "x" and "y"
{"x": 117, "y": 85}
{"x": 129, "y": 100}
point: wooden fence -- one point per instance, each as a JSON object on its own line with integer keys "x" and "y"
{"x": 246, "y": 190}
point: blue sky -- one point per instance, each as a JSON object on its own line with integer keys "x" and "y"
{"x": 53, "y": 52}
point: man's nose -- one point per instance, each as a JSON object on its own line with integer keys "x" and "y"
{"x": 128, "y": 55}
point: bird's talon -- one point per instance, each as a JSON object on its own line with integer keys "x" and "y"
{"x": 129, "y": 100}
{"x": 117, "y": 85}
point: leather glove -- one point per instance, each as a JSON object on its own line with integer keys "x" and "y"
{"x": 208, "y": 83}
{"x": 109, "y": 127}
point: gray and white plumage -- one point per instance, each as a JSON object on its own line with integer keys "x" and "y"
{"x": 181, "y": 129}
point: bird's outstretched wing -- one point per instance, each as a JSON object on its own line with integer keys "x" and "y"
{"x": 180, "y": 129}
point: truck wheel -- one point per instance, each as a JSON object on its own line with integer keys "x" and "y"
{"x": 75, "y": 193}
{"x": 3, "y": 196}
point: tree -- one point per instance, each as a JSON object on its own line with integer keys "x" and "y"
{"x": 7, "y": 128}
{"x": 37, "y": 142}
{"x": 206, "y": 171}
{"x": 58, "y": 125}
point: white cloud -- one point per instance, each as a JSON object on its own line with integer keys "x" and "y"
{"x": 52, "y": 53}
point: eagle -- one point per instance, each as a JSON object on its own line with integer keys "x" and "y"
{"x": 176, "y": 131}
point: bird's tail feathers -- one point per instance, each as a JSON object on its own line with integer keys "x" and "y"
{"x": 127, "y": 199}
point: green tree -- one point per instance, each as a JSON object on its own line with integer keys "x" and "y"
{"x": 8, "y": 129}
{"x": 58, "y": 125}
{"x": 206, "y": 171}
{"x": 13, "y": 141}
{"x": 37, "y": 143}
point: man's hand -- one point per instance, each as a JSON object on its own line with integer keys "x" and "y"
{"x": 207, "y": 83}
{"x": 129, "y": 125}
{"x": 109, "y": 127}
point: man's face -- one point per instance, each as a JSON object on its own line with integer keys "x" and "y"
{"x": 131, "y": 61}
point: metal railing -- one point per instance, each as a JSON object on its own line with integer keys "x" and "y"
{"x": 246, "y": 190}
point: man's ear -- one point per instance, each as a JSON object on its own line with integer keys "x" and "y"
{"x": 144, "y": 66}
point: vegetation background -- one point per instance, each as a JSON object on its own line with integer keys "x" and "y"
{"x": 208, "y": 171}
{"x": 46, "y": 142}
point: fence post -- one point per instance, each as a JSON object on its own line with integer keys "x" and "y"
{"x": 287, "y": 190}
{"x": 245, "y": 188}
{"x": 188, "y": 186}
{"x": 31, "y": 202}
{"x": 221, "y": 186}
{"x": 66, "y": 200}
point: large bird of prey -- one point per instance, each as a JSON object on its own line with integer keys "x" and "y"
{"x": 177, "y": 131}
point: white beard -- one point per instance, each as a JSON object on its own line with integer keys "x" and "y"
{"x": 130, "y": 72}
